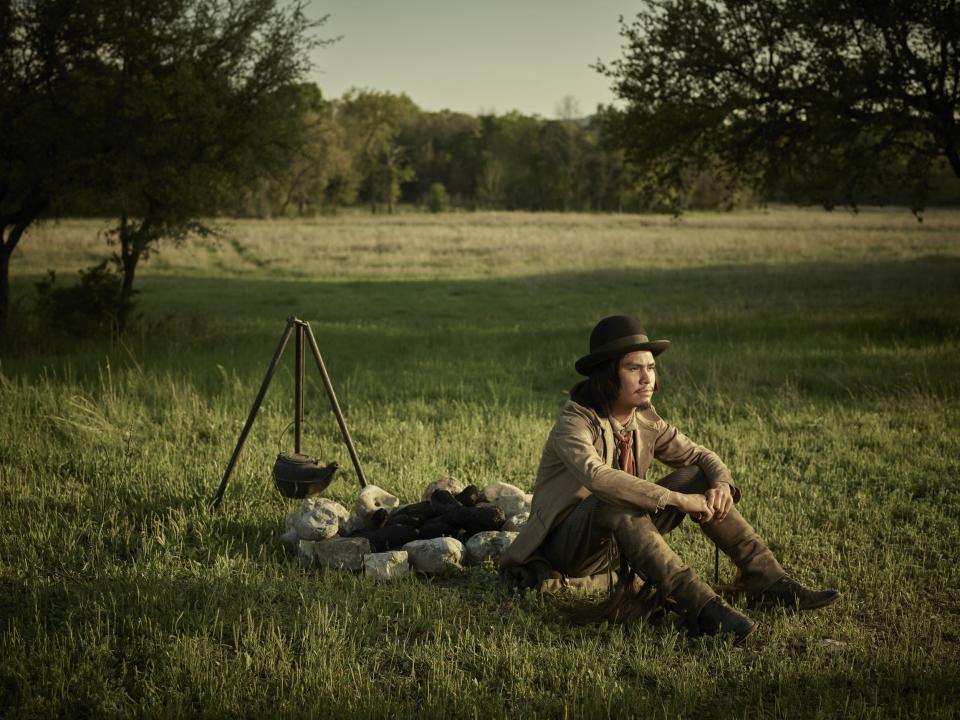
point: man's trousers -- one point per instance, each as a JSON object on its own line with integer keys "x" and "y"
{"x": 597, "y": 533}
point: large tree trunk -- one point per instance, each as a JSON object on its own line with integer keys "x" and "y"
{"x": 953, "y": 156}
{"x": 4, "y": 283}
{"x": 7, "y": 245}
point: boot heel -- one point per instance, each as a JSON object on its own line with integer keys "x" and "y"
{"x": 718, "y": 618}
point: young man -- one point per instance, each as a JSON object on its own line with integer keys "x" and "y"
{"x": 591, "y": 500}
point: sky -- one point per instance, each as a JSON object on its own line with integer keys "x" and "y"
{"x": 472, "y": 56}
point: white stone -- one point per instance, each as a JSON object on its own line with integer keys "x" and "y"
{"x": 343, "y": 515}
{"x": 437, "y": 556}
{"x": 450, "y": 484}
{"x": 336, "y": 553}
{"x": 318, "y": 518}
{"x": 386, "y": 565}
{"x": 515, "y": 522}
{"x": 491, "y": 492}
{"x": 488, "y": 544}
{"x": 509, "y": 498}
{"x": 371, "y": 499}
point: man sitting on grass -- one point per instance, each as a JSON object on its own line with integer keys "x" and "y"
{"x": 592, "y": 503}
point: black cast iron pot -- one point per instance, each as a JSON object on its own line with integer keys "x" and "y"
{"x": 300, "y": 476}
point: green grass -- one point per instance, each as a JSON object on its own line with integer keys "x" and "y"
{"x": 816, "y": 352}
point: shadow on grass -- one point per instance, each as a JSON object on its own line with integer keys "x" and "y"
{"x": 827, "y": 329}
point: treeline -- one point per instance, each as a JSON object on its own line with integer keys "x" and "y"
{"x": 379, "y": 150}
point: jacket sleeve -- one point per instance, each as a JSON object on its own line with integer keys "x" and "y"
{"x": 675, "y": 449}
{"x": 572, "y": 441}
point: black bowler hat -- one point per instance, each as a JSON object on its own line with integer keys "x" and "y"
{"x": 615, "y": 336}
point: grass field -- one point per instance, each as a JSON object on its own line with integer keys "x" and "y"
{"x": 816, "y": 352}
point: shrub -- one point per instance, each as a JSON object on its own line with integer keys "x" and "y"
{"x": 90, "y": 307}
{"x": 437, "y": 198}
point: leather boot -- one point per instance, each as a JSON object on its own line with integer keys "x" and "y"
{"x": 649, "y": 554}
{"x": 737, "y": 539}
{"x": 718, "y": 618}
{"x": 787, "y": 592}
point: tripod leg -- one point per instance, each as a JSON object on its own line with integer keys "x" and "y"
{"x": 335, "y": 405}
{"x": 253, "y": 411}
{"x": 298, "y": 392}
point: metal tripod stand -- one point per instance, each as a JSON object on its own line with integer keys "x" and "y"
{"x": 303, "y": 333}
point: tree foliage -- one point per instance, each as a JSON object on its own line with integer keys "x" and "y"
{"x": 189, "y": 100}
{"x": 823, "y": 98}
{"x": 38, "y": 45}
{"x": 374, "y": 122}
{"x": 384, "y": 150}
{"x": 153, "y": 111}
{"x": 320, "y": 175}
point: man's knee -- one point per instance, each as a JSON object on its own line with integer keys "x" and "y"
{"x": 618, "y": 518}
{"x": 642, "y": 543}
{"x": 690, "y": 479}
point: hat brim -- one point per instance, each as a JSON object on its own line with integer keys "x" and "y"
{"x": 585, "y": 364}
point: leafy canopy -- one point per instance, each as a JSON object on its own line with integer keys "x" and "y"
{"x": 828, "y": 96}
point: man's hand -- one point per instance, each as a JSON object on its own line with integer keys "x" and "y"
{"x": 720, "y": 500}
{"x": 695, "y": 505}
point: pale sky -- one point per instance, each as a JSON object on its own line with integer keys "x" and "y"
{"x": 480, "y": 56}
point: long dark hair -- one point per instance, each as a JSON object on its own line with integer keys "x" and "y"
{"x": 602, "y": 386}
{"x": 600, "y": 389}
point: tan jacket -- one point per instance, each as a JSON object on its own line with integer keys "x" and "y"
{"x": 579, "y": 459}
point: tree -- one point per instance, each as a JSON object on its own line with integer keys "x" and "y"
{"x": 603, "y": 167}
{"x": 512, "y": 177}
{"x": 442, "y": 147}
{"x": 374, "y": 122}
{"x": 155, "y": 110}
{"x": 570, "y": 120}
{"x": 320, "y": 175}
{"x": 189, "y": 100}
{"x": 823, "y": 95}
{"x": 39, "y": 44}
{"x": 323, "y": 175}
